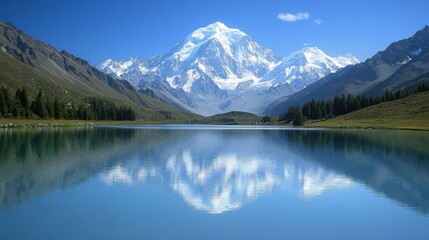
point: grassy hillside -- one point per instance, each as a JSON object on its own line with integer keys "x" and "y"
{"x": 26, "y": 62}
{"x": 411, "y": 112}
{"x": 230, "y": 118}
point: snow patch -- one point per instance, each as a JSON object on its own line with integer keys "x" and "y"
{"x": 170, "y": 81}
{"x": 143, "y": 69}
{"x": 233, "y": 81}
{"x": 416, "y": 52}
{"x": 192, "y": 75}
{"x": 407, "y": 60}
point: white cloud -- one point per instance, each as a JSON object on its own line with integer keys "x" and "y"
{"x": 318, "y": 21}
{"x": 289, "y": 17}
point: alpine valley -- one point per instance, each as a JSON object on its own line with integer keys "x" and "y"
{"x": 403, "y": 65}
{"x": 218, "y": 69}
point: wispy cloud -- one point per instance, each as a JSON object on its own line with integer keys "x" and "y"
{"x": 289, "y": 17}
{"x": 318, "y": 21}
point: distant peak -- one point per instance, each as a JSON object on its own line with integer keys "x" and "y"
{"x": 9, "y": 24}
{"x": 217, "y": 25}
{"x": 310, "y": 49}
{"x": 216, "y": 29}
{"x": 425, "y": 29}
{"x": 348, "y": 55}
{"x": 348, "y": 59}
{"x": 314, "y": 55}
{"x": 134, "y": 59}
{"x": 424, "y": 32}
{"x": 309, "y": 53}
{"x": 105, "y": 64}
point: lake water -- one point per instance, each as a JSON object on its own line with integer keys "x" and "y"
{"x": 213, "y": 182}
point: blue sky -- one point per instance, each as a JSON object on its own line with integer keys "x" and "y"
{"x": 97, "y": 30}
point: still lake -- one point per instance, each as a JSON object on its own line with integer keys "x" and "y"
{"x": 213, "y": 182}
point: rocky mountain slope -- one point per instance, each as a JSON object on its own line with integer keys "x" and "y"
{"x": 402, "y": 65}
{"x": 26, "y": 62}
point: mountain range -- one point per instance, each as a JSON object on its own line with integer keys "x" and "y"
{"x": 26, "y": 62}
{"x": 215, "y": 69}
{"x": 402, "y": 65}
{"x": 219, "y": 69}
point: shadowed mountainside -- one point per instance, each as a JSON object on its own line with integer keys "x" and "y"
{"x": 26, "y": 62}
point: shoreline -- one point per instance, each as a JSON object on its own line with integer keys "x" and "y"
{"x": 6, "y": 123}
{"x": 367, "y": 124}
{"x": 366, "y": 128}
{"x": 37, "y": 123}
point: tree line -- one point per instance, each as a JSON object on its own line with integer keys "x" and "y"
{"x": 340, "y": 105}
{"x": 46, "y": 107}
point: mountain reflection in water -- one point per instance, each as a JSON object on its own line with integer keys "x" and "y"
{"x": 217, "y": 170}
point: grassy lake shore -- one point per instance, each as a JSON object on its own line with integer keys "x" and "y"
{"x": 11, "y": 123}
{"x": 410, "y": 113}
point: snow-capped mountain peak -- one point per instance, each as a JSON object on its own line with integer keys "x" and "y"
{"x": 105, "y": 66}
{"x": 130, "y": 69}
{"x": 347, "y": 59}
{"x": 226, "y": 56}
{"x": 313, "y": 55}
{"x": 218, "y": 31}
{"x": 218, "y": 69}
{"x": 306, "y": 66}
{"x": 308, "y": 55}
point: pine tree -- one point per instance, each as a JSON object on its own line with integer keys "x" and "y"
{"x": 132, "y": 115}
{"x": 313, "y": 109}
{"x": 294, "y": 115}
{"x": 39, "y": 106}
{"x": 329, "y": 109}
{"x": 298, "y": 119}
{"x": 319, "y": 112}
{"x": 50, "y": 107}
{"x": 80, "y": 111}
{"x": 306, "y": 111}
{"x": 388, "y": 95}
{"x": 25, "y": 104}
{"x": 57, "y": 109}
{"x": 17, "y": 108}
{"x": 9, "y": 100}
{"x": 3, "y": 104}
